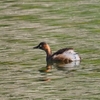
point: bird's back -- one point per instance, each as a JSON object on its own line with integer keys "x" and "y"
{"x": 65, "y": 55}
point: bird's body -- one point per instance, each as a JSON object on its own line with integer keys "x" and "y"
{"x": 65, "y": 55}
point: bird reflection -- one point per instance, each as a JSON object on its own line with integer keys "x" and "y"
{"x": 68, "y": 66}
{"x": 61, "y": 66}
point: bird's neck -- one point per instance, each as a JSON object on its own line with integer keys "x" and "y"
{"x": 48, "y": 53}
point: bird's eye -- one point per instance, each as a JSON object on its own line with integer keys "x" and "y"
{"x": 40, "y": 46}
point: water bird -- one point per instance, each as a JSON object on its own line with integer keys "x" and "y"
{"x": 65, "y": 55}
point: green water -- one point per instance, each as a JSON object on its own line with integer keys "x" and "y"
{"x": 60, "y": 23}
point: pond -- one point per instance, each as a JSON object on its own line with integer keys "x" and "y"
{"x": 24, "y": 24}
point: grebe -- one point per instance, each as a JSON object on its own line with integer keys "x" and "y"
{"x": 65, "y": 55}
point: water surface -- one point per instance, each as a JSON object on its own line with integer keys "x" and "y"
{"x": 65, "y": 23}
